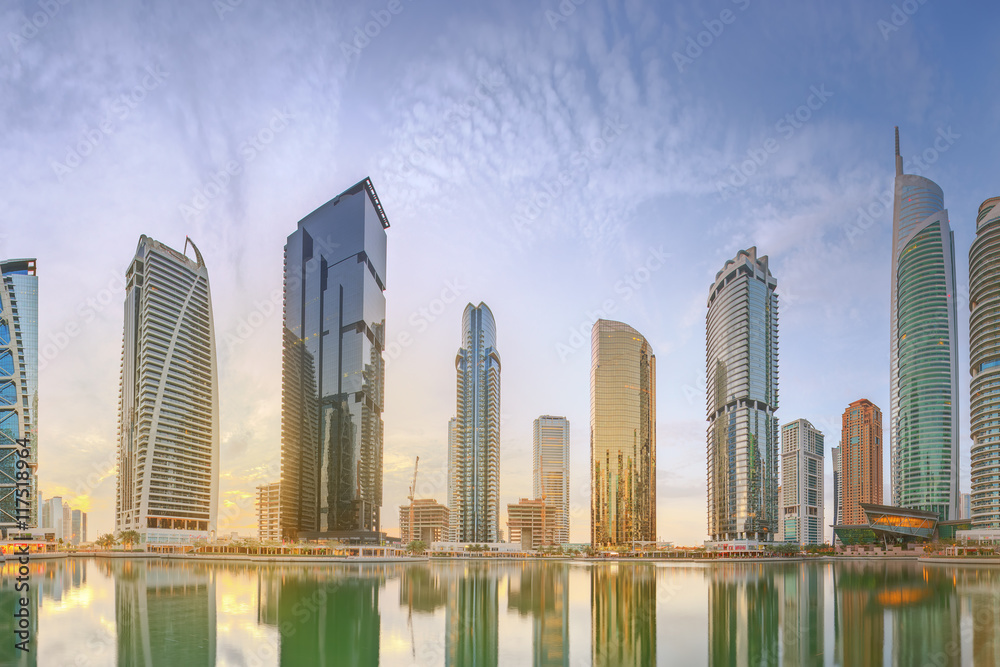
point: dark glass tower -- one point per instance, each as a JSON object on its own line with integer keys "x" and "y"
{"x": 332, "y": 368}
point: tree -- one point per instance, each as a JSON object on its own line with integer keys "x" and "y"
{"x": 128, "y": 538}
{"x": 106, "y": 541}
{"x": 589, "y": 550}
{"x": 417, "y": 547}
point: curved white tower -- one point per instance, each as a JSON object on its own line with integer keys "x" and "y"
{"x": 168, "y": 433}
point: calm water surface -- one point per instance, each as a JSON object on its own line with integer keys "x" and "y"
{"x": 133, "y": 612}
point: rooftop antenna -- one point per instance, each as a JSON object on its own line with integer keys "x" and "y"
{"x": 899, "y": 159}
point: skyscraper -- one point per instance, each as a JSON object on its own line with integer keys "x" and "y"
{"x": 550, "y": 469}
{"x": 168, "y": 417}
{"x": 622, "y": 436}
{"x": 802, "y": 455}
{"x": 923, "y": 419}
{"x": 838, "y": 491}
{"x": 984, "y": 366}
{"x": 333, "y": 372}
{"x": 860, "y": 460}
{"x": 452, "y": 500}
{"x": 18, "y": 391}
{"x": 742, "y": 393}
{"x": 475, "y": 473}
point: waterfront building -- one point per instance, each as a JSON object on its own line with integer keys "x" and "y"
{"x": 742, "y": 397}
{"x": 430, "y": 521}
{"x": 54, "y": 513}
{"x": 802, "y": 454}
{"x": 923, "y": 415}
{"x": 532, "y": 523}
{"x": 452, "y": 500}
{"x": 965, "y": 506}
{"x": 268, "y": 512}
{"x": 79, "y": 527}
{"x": 333, "y": 373}
{"x": 475, "y": 471}
{"x": 550, "y": 470}
{"x": 622, "y": 436}
{"x": 838, "y": 491}
{"x": 18, "y": 393}
{"x": 984, "y": 367}
{"x": 861, "y": 460}
{"x": 168, "y": 417}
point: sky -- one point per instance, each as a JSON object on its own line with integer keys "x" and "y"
{"x": 559, "y": 161}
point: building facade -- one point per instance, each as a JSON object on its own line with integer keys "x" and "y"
{"x": 742, "y": 397}
{"x": 425, "y": 519}
{"x": 18, "y": 394}
{"x": 333, "y": 372}
{"x": 79, "y": 523}
{"x": 923, "y": 417}
{"x": 622, "y": 436}
{"x": 860, "y": 460}
{"x": 984, "y": 366}
{"x": 452, "y": 485}
{"x": 168, "y": 417}
{"x": 550, "y": 470}
{"x": 838, "y": 491}
{"x": 475, "y": 471}
{"x": 533, "y": 523}
{"x": 802, "y": 455}
{"x": 269, "y": 512}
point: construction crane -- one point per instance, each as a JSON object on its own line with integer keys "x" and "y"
{"x": 413, "y": 493}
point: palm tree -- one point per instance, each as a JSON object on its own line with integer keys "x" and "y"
{"x": 417, "y": 547}
{"x": 128, "y": 538}
{"x": 106, "y": 541}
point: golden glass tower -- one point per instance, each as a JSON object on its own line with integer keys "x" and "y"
{"x": 622, "y": 436}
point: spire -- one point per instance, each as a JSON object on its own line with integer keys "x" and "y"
{"x": 899, "y": 159}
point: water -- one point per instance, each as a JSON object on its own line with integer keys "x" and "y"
{"x": 134, "y": 612}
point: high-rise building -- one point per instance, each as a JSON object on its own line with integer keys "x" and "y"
{"x": 424, "y": 519}
{"x": 965, "y": 506}
{"x": 333, "y": 373}
{"x": 79, "y": 520}
{"x": 452, "y": 500}
{"x": 550, "y": 470}
{"x": 54, "y": 513}
{"x": 984, "y": 366}
{"x": 838, "y": 491}
{"x": 622, "y": 436}
{"x": 742, "y": 393}
{"x": 475, "y": 472}
{"x": 860, "y": 460}
{"x": 923, "y": 417}
{"x": 268, "y": 512}
{"x": 18, "y": 393}
{"x": 168, "y": 418}
{"x": 802, "y": 455}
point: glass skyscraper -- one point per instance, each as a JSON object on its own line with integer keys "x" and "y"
{"x": 984, "y": 366}
{"x": 923, "y": 421}
{"x": 475, "y": 458}
{"x": 802, "y": 455}
{"x": 18, "y": 389}
{"x": 333, "y": 372}
{"x": 742, "y": 395}
{"x": 168, "y": 418}
{"x": 622, "y": 436}
{"x": 550, "y": 470}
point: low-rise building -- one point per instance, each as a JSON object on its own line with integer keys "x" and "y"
{"x": 430, "y": 521}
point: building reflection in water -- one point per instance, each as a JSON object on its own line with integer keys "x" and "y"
{"x": 743, "y": 614}
{"x": 623, "y": 614}
{"x": 471, "y": 614}
{"x": 541, "y": 590}
{"x": 165, "y": 612}
{"x": 980, "y": 594}
{"x": 324, "y": 615}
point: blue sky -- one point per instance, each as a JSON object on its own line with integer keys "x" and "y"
{"x": 535, "y": 156}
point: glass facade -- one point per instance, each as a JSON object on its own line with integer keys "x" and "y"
{"x": 622, "y": 436}
{"x": 18, "y": 391}
{"x": 475, "y": 461}
{"x": 742, "y": 397}
{"x": 924, "y": 350}
{"x": 984, "y": 366}
{"x": 168, "y": 418}
{"x": 333, "y": 371}
{"x": 550, "y": 472}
